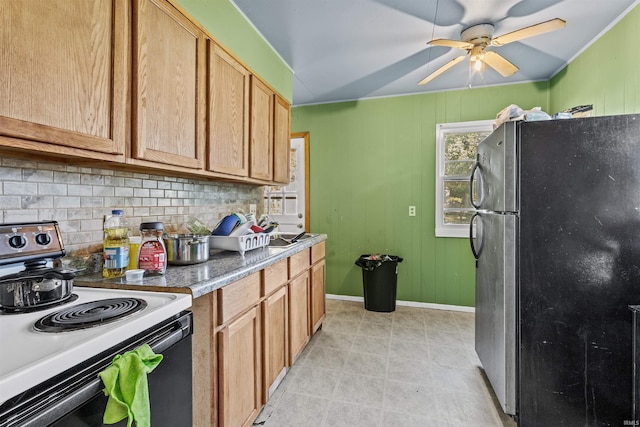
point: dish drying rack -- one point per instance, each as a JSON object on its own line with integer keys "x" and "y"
{"x": 240, "y": 243}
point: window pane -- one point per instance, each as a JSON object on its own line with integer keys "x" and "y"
{"x": 457, "y": 217}
{"x": 456, "y": 145}
{"x": 456, "y": 194}
{"x": 460, "y": 152}
{"x": 458, "y": 167}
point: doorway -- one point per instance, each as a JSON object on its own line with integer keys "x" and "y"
{"x": 289, "y": 205}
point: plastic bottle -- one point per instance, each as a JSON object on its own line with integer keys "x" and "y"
{"x": 116, "y": 245}
{"x": 152, "y": 255}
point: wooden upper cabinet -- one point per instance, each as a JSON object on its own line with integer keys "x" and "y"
{"x": 228, "y": 112}
{"x": 63, "y": 74}
{"x": 169, "y": 63}
{"x": 281, "y": 141}
{"x": 261, "y": 166}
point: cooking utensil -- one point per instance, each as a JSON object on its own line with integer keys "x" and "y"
{"x": 294, "y": 239}
{"x": 186, "y": 249}
{"x": 242, "y": 229}
{"x": 269, "y": 229}
{"x": 36, "y": 287}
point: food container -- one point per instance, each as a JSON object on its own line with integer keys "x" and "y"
{"x": 38, "y": 288}
{"x": 185, "y": 249}
{"x": 152, "y": 255}
{"x": 134, "y": 275}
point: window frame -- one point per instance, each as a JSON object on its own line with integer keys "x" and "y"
{"x": 442, "y": 129}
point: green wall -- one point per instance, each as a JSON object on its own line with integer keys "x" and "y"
{"x": 606, "y": 75}
{"x": 227, "y": 25}
{"x": 370, "y": 160}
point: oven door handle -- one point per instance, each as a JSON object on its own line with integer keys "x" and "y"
{"x": 85, "y": 392}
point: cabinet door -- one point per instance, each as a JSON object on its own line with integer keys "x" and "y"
{"x": 281, "y": 141}
{"x": 228, "y": 113}
{"x": 261, "y": 151}
{"x": 275, "y": 341}
{"x": 205, "y": 362}
{"x": 63, "y": 76}
{"x": 240, "y": 381}
{"x": 298, "y": 315}
{"x": 316, "y": 307}
{"x": 168, "y": 95}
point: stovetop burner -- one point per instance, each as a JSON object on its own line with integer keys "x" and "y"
{"x": 89, "y": 314}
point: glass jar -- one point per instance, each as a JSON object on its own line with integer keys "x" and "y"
{"x": 152, "y": 255}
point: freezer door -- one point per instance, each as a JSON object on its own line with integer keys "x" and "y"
{"x": 496, "y": 303}
{"x": 494, "y": 176}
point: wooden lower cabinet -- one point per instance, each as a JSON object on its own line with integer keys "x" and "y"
{"x": 298, "y": 315}
{"x": 275, "y": 351}
{"x": 240, "y": 378}
{"x": 248, "y": 333}
{"x": 316, "y": 304}
{"x": 205, "y": 362}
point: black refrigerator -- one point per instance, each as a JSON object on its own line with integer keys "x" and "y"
{"x": 556, "y": 236}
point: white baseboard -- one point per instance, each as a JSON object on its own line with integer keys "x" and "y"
{"x": 410, "y": 303}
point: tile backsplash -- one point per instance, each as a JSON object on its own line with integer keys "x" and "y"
{"x": 79, "y": 197}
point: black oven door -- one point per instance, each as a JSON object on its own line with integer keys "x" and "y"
{"x": 75, "y": 398}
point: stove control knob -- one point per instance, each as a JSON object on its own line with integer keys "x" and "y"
{"x": 17, "y": 242}
{"x": 43, "y": 239}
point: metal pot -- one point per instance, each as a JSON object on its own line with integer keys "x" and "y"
{"x": 39, "y": 288}
{"x": 185, "y": 249}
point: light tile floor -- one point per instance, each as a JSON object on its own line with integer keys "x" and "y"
{"x": 411, "y": 368}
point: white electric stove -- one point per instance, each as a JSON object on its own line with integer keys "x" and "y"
{"x": 55, "y": 338}
{"x": 29, "y": 357}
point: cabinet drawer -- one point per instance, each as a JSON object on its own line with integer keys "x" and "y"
{"x": 274, "y": 276}
{"x": 298, "y": 263}
{"x": 317, "y": 252}
{"x": 238, "y": 297}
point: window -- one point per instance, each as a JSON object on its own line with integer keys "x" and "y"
{"x": 456, "y": 153}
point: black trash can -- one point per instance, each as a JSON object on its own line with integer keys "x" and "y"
{"x": 380, "y": 281}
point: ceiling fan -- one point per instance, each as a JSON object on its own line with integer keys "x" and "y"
{"x": 477, "y": 38}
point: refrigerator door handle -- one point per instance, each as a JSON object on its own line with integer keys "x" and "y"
{"x": 476, "y": 168}
{"x": 476, "y": 252}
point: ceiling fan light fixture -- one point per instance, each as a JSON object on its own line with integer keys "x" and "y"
{"x": 477, "y": 53}
{"x": 478, "y": 65}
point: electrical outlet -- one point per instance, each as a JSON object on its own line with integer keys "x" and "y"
{"x": 252, "y": 209}
{"x": 412, "y": 211}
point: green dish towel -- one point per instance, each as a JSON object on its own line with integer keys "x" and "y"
{"x": 126, "y": 385}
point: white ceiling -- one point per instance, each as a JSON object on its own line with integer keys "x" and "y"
{"x": 353, "y": 49}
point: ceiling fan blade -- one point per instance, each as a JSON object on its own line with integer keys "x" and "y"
{"x": 441, "y": 70}
{"x": 534, "y": 30}
{"x": 499, "y": 63}
{"x": 450, "y": 43}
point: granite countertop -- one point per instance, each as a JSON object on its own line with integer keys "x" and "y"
{"x": 222, "y": 268}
